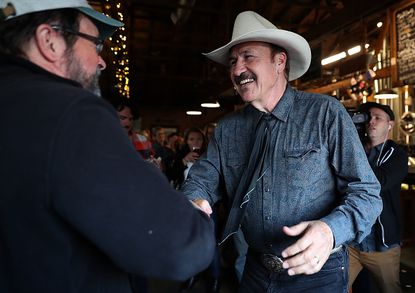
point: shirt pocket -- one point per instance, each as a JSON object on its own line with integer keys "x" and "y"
{"x": 235, "y": 161}
{"x": 237, "y": 154}
{"x": 304, "y": 165}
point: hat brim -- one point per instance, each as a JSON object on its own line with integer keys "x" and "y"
{"x": 297, "y": 47}
{"x": 106, "y": 25}
{"x": 367, "y": 106}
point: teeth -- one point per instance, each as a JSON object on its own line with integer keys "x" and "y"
{"x": 246, "y": 81}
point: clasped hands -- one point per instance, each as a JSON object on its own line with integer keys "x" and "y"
{"x": 308, "y": 254}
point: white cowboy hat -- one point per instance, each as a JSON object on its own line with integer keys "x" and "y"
{"x": 250, "y": 26}
{"x": 105, "y": 24}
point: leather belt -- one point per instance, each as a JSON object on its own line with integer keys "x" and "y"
{"x": 273, "y": 263}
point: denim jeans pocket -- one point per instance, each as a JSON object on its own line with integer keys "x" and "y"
{"x": 332, "y": 277}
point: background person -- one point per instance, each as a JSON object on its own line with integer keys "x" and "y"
{"x": 291, "y": 165}
{"x": 159, "y": 142}
{"x": 194, "y": 147}
{"x": 380, "y": 251}
{"x": 141, "y": 144}
{"x": 79, "y": 209}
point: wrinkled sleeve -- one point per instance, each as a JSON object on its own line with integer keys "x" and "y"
{"x": 360, "y": 203}
{"x": 204, "y": 180}
{"x": 121, "y": 204}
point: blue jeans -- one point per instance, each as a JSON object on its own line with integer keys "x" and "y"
{"x": 332, "y": 278}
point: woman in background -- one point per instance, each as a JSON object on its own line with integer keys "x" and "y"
{"x": 195, "y": 145}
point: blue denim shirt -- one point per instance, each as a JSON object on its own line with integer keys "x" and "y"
{"x": 319, "y": 171}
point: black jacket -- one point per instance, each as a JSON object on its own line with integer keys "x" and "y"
{"x": 177, "y": 170}
{"x": 79, "y": 209}
{"x": 391, "y": 169}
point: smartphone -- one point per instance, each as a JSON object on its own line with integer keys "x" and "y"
{"x": 197, "y": 150}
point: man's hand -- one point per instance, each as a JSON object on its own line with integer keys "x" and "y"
{"x": 202, "y": 205}
{"x": 309, "y": 253}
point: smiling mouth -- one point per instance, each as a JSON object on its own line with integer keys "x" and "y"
{"x": 246, "y": 81}
{"x": 244, "y": 78}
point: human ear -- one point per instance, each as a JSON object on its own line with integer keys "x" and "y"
{"x": 49, "y": 43}
{"x": 279, "y": 60}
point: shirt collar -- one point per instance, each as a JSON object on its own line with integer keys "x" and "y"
{"x": 285, "y": 104}
{"x": 280, "y": 111}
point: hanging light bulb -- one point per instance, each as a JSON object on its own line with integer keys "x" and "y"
{"x": 386, "y": 94}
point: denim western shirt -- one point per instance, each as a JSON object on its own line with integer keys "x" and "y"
{"x": 318, "y": 171}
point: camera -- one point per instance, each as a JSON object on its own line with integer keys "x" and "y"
{"x": 359, "y": 120}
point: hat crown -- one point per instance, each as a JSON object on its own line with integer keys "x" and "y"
{"x": 105, "y": 24}
{"x": 251, "y": 27}
{"x": 249, "y": 21}
{"x": 28, "y": 6}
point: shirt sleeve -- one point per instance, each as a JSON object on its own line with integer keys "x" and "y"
{"x": 121, "y": 204}
{"x": 360, "y": 203}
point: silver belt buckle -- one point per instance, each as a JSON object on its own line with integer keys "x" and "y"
{"x": 272, "y": 263}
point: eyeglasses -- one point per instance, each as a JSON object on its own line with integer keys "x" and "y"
{"x": 99, "y": 44}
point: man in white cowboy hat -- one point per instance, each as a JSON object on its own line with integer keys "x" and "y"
{"x": 291, "y": 165}
{"x": 79, "y": 209}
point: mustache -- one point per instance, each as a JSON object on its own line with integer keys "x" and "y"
{"x": 244, "y": 75}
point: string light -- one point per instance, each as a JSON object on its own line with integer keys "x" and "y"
{"x": 119, "y": 48}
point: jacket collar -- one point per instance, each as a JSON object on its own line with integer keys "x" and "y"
{"x": 15, "y": 61}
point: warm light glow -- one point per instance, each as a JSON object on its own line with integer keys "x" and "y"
{"x": 354, "y": 50}
{"x": 210, "y": 105}
{"x": 386, "y": 94}
{"x": 367, "y": 46}
{"x": 379, "y": 24}
{"x": 333, "y": 58}
{"x": 119, "y": 49}
{"x": 194, "y": 113}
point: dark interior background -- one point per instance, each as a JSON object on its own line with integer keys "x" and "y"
{"x": 165, "y": 39}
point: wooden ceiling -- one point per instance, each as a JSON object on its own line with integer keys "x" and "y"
{"x": 166, "y": 39}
